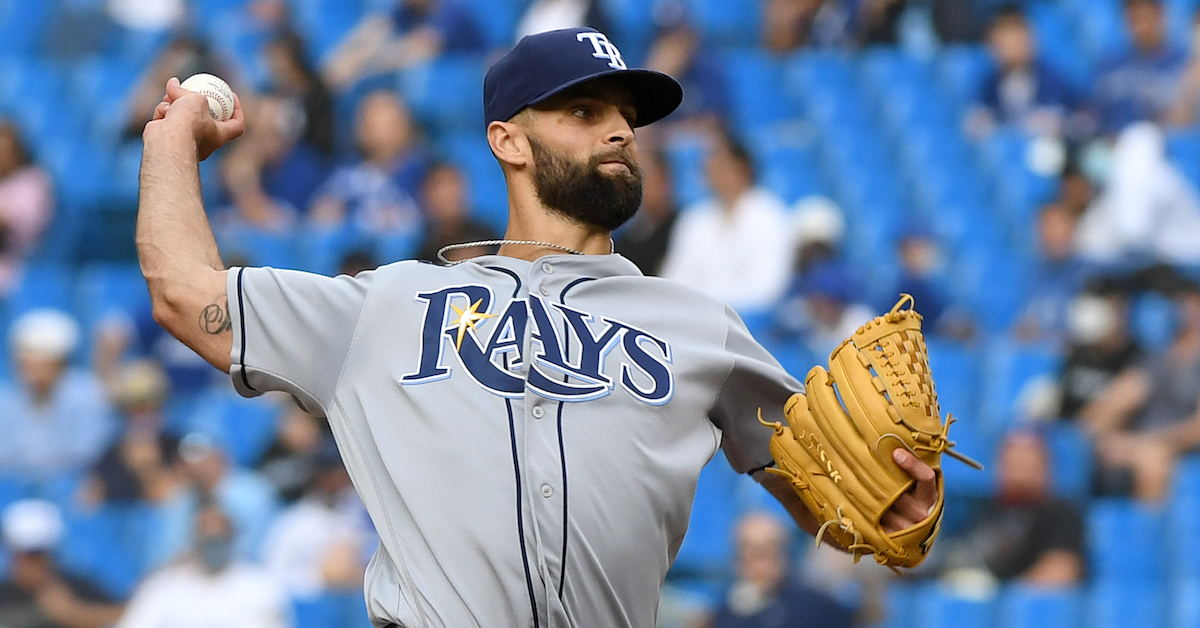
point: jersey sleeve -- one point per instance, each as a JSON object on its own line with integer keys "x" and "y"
{"x": 292, "y": 331}
{"x": 756, "y": 381}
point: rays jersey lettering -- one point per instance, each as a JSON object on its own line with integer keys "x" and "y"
{"x": 567, "y": 364}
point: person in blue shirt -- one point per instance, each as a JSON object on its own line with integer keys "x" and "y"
{"x": 412, "y": 32}
{"x": 1021, "y": 90}
{"x": 1140, "y": 84}
{"x": 377, "y": 192}
{"x": 765, "y": 593}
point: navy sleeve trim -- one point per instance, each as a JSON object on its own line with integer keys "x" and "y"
{"x": 242, "y": 323}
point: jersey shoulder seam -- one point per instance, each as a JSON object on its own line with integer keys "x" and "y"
{"x": 337, "y": 383}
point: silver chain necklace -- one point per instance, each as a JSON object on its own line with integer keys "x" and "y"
{"x": 612, "y": 247}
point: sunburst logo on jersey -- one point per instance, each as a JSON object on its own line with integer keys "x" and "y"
{"x": 467, "y": 319}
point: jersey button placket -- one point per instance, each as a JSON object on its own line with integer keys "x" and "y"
{"x": 538, "y": 412}
{"x": 547, "y": 268}
{"x": 547, "y": 491}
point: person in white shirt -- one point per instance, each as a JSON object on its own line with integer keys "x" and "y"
{"x": 322, "y": 542}
{"x": 736, "y": 246}
{"x": 1147, "y": 209}
{"x": 210, "y": 587}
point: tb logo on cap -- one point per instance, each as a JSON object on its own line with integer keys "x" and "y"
{"x": 604, "y": 49}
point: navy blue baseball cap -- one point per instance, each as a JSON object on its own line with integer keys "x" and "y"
{"x": 542, "y": 65}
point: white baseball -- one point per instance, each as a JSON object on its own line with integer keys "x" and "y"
{"x": 220, "y": 97}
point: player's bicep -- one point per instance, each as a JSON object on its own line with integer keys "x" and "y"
{"x": 197, "y": 313}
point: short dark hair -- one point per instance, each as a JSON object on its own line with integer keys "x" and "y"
{"x": 736, "y": 149}
{"x": 1009, "y": 12}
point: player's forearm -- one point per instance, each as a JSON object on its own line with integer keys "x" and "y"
{"x": 782, "y": 490}
{"x": 176, "y": 247}
{"x": 173, "y": 237}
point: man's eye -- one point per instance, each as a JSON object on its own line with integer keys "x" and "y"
{"x": 581, "y": 112}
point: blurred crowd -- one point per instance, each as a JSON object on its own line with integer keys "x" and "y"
{"x": 1027, "y": 171}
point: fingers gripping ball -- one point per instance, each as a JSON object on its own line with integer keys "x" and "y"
{"x": 220, "y": 97}
{"x": 836, "y": 449}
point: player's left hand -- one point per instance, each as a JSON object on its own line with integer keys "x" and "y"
{"x": 914, "y": 506}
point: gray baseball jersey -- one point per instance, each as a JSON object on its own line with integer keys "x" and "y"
{"x": 526, "y": 436}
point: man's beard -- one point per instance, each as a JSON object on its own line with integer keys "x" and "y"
{"x": 584, "y": 194}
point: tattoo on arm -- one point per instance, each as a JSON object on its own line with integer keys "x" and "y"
{"x": 214, "y": 318}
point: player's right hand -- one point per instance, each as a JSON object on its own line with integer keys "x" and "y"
{"x": 187, "y": 112}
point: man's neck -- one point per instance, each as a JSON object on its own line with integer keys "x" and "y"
{"x": 530, "y": 221}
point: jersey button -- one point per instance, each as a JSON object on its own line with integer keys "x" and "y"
{"x": 547, "y": 268}
{"x": 547, "y": 490}
{"x": 545, "y": 291}
{"x": 538, "y": 412}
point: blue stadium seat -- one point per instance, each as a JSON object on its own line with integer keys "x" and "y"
{"x": 686, "y": 158}
{"x": 1184, "y": 604}
{"x": 446, "y": 94}
{"x": 754, "y": 79}
{"x": 992, "y": 283}
{"x": 961, "y": 70}
{"x": 395, "y": 247}
{"x": 899, "y": 604}
{"x": 488, "y": 191}
{"x": 259, "y": 247}
{"x": 22, "y": 24}
{"x": 498, "y": 21}
{"x": 324, "y": 23}
{"x": 1153, "y": 320}
{"x": 883, "y": 70}
{"x": 1102, "y": 30}
{"x": 1036, "y": 607}
{"x": 101, "y": 288}
{"x": 786, "y": 160}
{"x": 322, "y": 250}
{"x": 41, "y": 285}
{"x": 939, "y": 608}
{"x": 1008, "y": 369}
{"x": 244, "y": 426}
{"x": 107, "y": 544}
{"x": 1127, "y": 604}
{"x": 1058, "y": 42}
{"x": 725, "y": 23}
{"x": 1071, "y": 460}
{"x": 814, "y": 71}
{"x": 1125, "y": 542}
{"x": 632, "y": 25}
{"x": 1183, "y": 513}
{"x": 707, "y": 550}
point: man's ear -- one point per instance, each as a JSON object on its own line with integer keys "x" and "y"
{"x": 508, "y": 143}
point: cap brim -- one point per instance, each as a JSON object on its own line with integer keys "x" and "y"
{"x": 656, "y": 94}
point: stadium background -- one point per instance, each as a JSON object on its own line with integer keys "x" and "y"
{"x": 878, "y": 130}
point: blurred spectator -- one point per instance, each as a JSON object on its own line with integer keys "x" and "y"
{"x": 958, "y": 21}
{"x": 211, "y": 587}
{"x": 320, "y": 543}
{"x": 290, "y": 463}
{"x": 736, "y": 246}
{"x": 1150, "y": 414}
{"x": 35, "y": 593}
{"x": 1025, "y": 534}
{"x": 823, "y": 312}
{"x": 923, "y": 275}
{"x": 247, "y": 498}
{"x": 376, "y": 193}
{"x": 1099, "y": 345}
{"x": 356, "y": 262}
{"x": 272, "y": 176}
{"x": 148, "y": 15}
{"x": 1021, "y": 91}
{"x": 412, "y": 32}
{"x": 765, "y": 593}
{"x": 549, "y": 15}
{"x": 819, "y": 226}
{"x": 1075, "y": 190}
{"x": 55, "y": 419}
{"x": 1059, "y": 275}
{"x": 140, "y": 465}
{"x": 1140, "y": 84}
{"x": 136, "y": 335}
{"x": 184, "y": 56}
{"x": 676, "y": 50}
{"x": 792, "y": 24}
{"x": 645, "y": 238}
{"x": 1147, "y": 210}
{"x": 448, "y": 216}
{"x": 26, "y": 203}
{"x": 294, "y": 79}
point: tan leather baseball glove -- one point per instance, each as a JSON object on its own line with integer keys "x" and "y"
{"x": 836, "y": 448}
